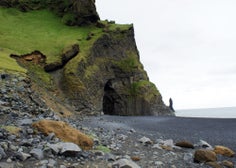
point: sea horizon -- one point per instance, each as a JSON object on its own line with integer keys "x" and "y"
{"x": 220, "y": 112}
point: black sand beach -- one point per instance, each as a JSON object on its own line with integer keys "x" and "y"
{"x": 213, "y": 130}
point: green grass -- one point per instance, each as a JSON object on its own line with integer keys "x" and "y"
{"x": 103, "y": 149}
{"x": 9, "y": 64}
{"x": 24, "y": 32}
{"x": 37, "y": 30}
{"x": 145, "y": 89}
{"x": 130, "y": 63}
{"x": 11, "y": 129}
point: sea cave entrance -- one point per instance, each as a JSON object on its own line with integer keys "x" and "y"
{"x": 111, "y": 100}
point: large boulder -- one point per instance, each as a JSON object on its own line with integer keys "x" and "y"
{"x": 224, "y": 151}
{"x": 204, "y": 155}
{"x": 65, "y": 132}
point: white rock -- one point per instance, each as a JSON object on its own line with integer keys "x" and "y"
{"x": 168, "y": 142}
{"x": 188, "y": 156}
{"x": 68, "y": 147}
{"x": 156, "y": 146}
{"x": 125, "y": 163}
{"x": 132, "y": 130}
{"x": 145, "y": 140}
{"x": 204, "y": 144}
{"x": 22, "y": 156}
{"x": 37, "y": 153}
{"x": 159, "y": 163}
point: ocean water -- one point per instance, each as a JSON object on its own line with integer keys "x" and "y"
{"x": 226, "y": 112}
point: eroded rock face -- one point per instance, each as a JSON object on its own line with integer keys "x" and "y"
{"x": 112, "y": 79}
{"x": 72, "y": 12}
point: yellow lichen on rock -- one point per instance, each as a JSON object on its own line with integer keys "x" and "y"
{"x": 224, "y": 151}
{"x": 65, "y": 132}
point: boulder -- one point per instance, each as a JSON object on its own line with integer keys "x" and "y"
{"x": 69, "y": 53}
{"x": 204, "y": 155}
{"x": 228, "y": 164}
{"x": 53, "y": 66}
{"x": 2, "y": 153}
{"x": 22, "y": 156}
{"x": 65, "y": 148}
{"x": 37, "y": 153}
{"x": 224, "y": 151}
{"x": 65, "y": 132}
{"x": 185, "y": 144}
{"x": 214, "y": 164}
{"x": 145, "y": 140}
{"x": 125, "y": 163}
{"x": 205, "y": 145}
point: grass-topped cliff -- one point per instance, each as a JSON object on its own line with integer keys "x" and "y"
{"x": 104, "y": 74}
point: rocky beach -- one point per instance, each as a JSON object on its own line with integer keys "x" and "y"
{"x": 117, "y": 141}
{"x": 74, "y": 94}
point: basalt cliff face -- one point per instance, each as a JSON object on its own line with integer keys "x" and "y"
{"x": 112, "y": 79}
{"x": 100, "y": 72}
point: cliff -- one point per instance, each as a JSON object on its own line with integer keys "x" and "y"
{"x": 94, "y": 67}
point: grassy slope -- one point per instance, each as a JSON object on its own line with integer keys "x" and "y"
{"x": 22, "y": 33}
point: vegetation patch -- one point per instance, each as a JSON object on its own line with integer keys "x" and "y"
{"x": 103, "y": 149}
{"x": 129, "y": 64}
{"x": 9, "y": 64}
{"x": 11, "y": 129}
{"x": 144, "y": 88}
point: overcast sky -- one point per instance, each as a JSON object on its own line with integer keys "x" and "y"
{"x": 188, "y": 47}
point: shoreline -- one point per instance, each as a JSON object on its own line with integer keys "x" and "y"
{"x": 217, "y": 131}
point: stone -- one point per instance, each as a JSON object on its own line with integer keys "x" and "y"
{"x": 26, "y": 142}
{"x": 65, "y": 148}
{"x": 214, "y": 164}
{"x": 188, "y": 156}
{"x": 69, "y": 53}
{"x": 37, "y": 153}
{"x": 168, "y": 148}
{"x": 65, "y": 132}
{"x": 125, "y": 163}
{"x": 51, "y": 163}
{"x": 168, "y": 142}
{"x": 225, "y": 151}
{"x": 50, "y": 136}
{"x": 145, "y": 140}
{"x": 2, "y": 153}
{"x": 68, "y": 148}
{"x": 25, "y": 122}
{"x": 204, "y": 155}
{"x": 7, "y": 165}
{"x": 22, "y": 156}
{"x": 30, "y": 131}
{"x": 135, "y": 158}
{"x": 132, "y": 130}
{"x": 157, "y": 146}
{"x": 54, "y": 147}
{"x": 228, "y": 164}
{"x": 205, "y": 145}
{"x": 185, "y": 144}
{"x": 158, "y": 163}
{"x": 109, "y": 157}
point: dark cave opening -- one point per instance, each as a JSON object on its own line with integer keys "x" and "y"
{"x": 108, "y": 100}
{"x": 111, "y": 100}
